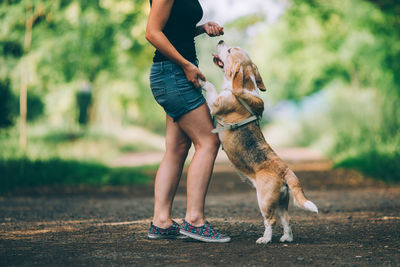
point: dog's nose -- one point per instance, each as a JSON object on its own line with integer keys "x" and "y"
{"x": 221, "y": 42}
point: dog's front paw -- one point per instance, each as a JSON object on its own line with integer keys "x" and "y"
{"x": 286, "y": 238}
{"x": 202, "y": 84}
{"x": 263, "y": 240}
{"x": 207, "y": 86}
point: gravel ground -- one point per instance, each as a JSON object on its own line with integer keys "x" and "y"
{"x": 358, "y": 224}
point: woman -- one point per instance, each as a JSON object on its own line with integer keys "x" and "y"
{"x": 174, "y": 75}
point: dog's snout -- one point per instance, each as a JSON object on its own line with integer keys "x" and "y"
{"x": 221, "y": 42}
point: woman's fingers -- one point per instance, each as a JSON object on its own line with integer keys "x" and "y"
{"x": 196, "y": 83}
{"x": 198, "y": 75}
{"x": 201, "y": 76}
{"x": 193, "y": 74}
{"x": 216, "y": 30}
{"x": 210, "y": 30}
{"x": 213, "y": 29}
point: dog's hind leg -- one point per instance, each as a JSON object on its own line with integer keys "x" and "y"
{"x": 266, "y": 238}
{"x": 287, "y": 230}
{"x": 282, "y": 213}
{"x": 268, "y": 192}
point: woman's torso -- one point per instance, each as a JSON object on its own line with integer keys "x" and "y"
{"x": 180, "y": 28}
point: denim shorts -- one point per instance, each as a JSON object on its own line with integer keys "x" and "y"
{"x": 172, "y": 90}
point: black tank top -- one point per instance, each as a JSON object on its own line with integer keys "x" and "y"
{"x": 180, "y": 28}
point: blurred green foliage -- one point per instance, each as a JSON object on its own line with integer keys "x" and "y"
{"x": 8, "y": 104}
{"x": 76, "y": 43}
{"x": 339, "y": 61}
{"x": 18, "y": 174}
{"x": 91, "y": 144}
{"x": 68, "y": 157}
{"x": 345, "y": 55}
{"x": 83, "y": 100}
{"x": 35, "y": 107}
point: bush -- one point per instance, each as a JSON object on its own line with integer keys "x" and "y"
{"x": 8, "y": 102}
{"x": 35, "y": 107}
{"x": 383, "y": 165}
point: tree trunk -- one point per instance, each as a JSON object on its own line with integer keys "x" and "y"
{"x": 23, "y": 95}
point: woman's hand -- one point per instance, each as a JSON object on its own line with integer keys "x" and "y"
{"x": 213, "y": 29}
{"x": 193, "y": 74}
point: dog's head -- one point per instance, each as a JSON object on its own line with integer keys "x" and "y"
{"x": 238, "y": 68}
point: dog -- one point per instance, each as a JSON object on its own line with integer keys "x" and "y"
{"x": 236, "y": 110}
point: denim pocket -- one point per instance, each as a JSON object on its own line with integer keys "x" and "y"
{"x": 180, "y": 77}
{"x": 158, "y": 89}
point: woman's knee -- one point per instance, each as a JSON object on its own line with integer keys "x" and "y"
{"x": 179, "y": 149}
{"x": 210, "y": 144}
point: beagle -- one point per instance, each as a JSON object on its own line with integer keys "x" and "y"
{"x": 245, "y": 145}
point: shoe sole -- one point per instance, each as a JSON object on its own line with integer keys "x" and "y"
{"x": 151, "y": 236}
{"x": 204, "y": 239}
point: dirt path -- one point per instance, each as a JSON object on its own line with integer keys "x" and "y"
{"x": 358, "y": 224}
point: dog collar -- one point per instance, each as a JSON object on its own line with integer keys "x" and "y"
{"x": 233, "y": 126}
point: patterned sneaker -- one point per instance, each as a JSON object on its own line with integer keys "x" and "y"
{"x": 171, "y": 232}
{"x": 203, "y": 233}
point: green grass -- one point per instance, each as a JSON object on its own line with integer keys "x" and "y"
{"x": 382, "y": 165}
{"x": 91, "y": 144}
{"x": 69, "y": 156}
{"x": 25, "y": 173}
{"x": 132, "y": 148}
{"x": 61, "y": 143}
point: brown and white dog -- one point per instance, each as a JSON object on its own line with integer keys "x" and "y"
{"x": 246, "y": 147}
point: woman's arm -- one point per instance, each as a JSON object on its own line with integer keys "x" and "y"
{"x": 211, "y": 28}
{"x": 158, "y": 17}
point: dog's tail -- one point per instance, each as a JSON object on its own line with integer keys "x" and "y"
{"x": 297, "y": 191}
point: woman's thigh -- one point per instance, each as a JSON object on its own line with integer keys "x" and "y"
{"x": 175, "y": 139}
{"x": 197, "y": 125}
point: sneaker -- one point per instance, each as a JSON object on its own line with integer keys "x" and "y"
{"x": 171, "y": 232}
{"x": 204, "y": 233}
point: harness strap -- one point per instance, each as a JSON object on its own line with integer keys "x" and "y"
{"x": 247, "y": 107}
{"x": 234, "y": 126}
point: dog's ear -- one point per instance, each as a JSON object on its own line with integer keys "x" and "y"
{"x": 259, "y": 81}
{"x": 237, "y": 78}
{"x": 249, "y": 77}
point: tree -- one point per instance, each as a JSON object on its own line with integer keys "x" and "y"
{"x": 345, "y": 54}
{"x": 74, "y": 43}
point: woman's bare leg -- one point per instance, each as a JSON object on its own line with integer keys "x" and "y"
{"x": 197, "y": 125}
{"x": 169, "y": 173}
